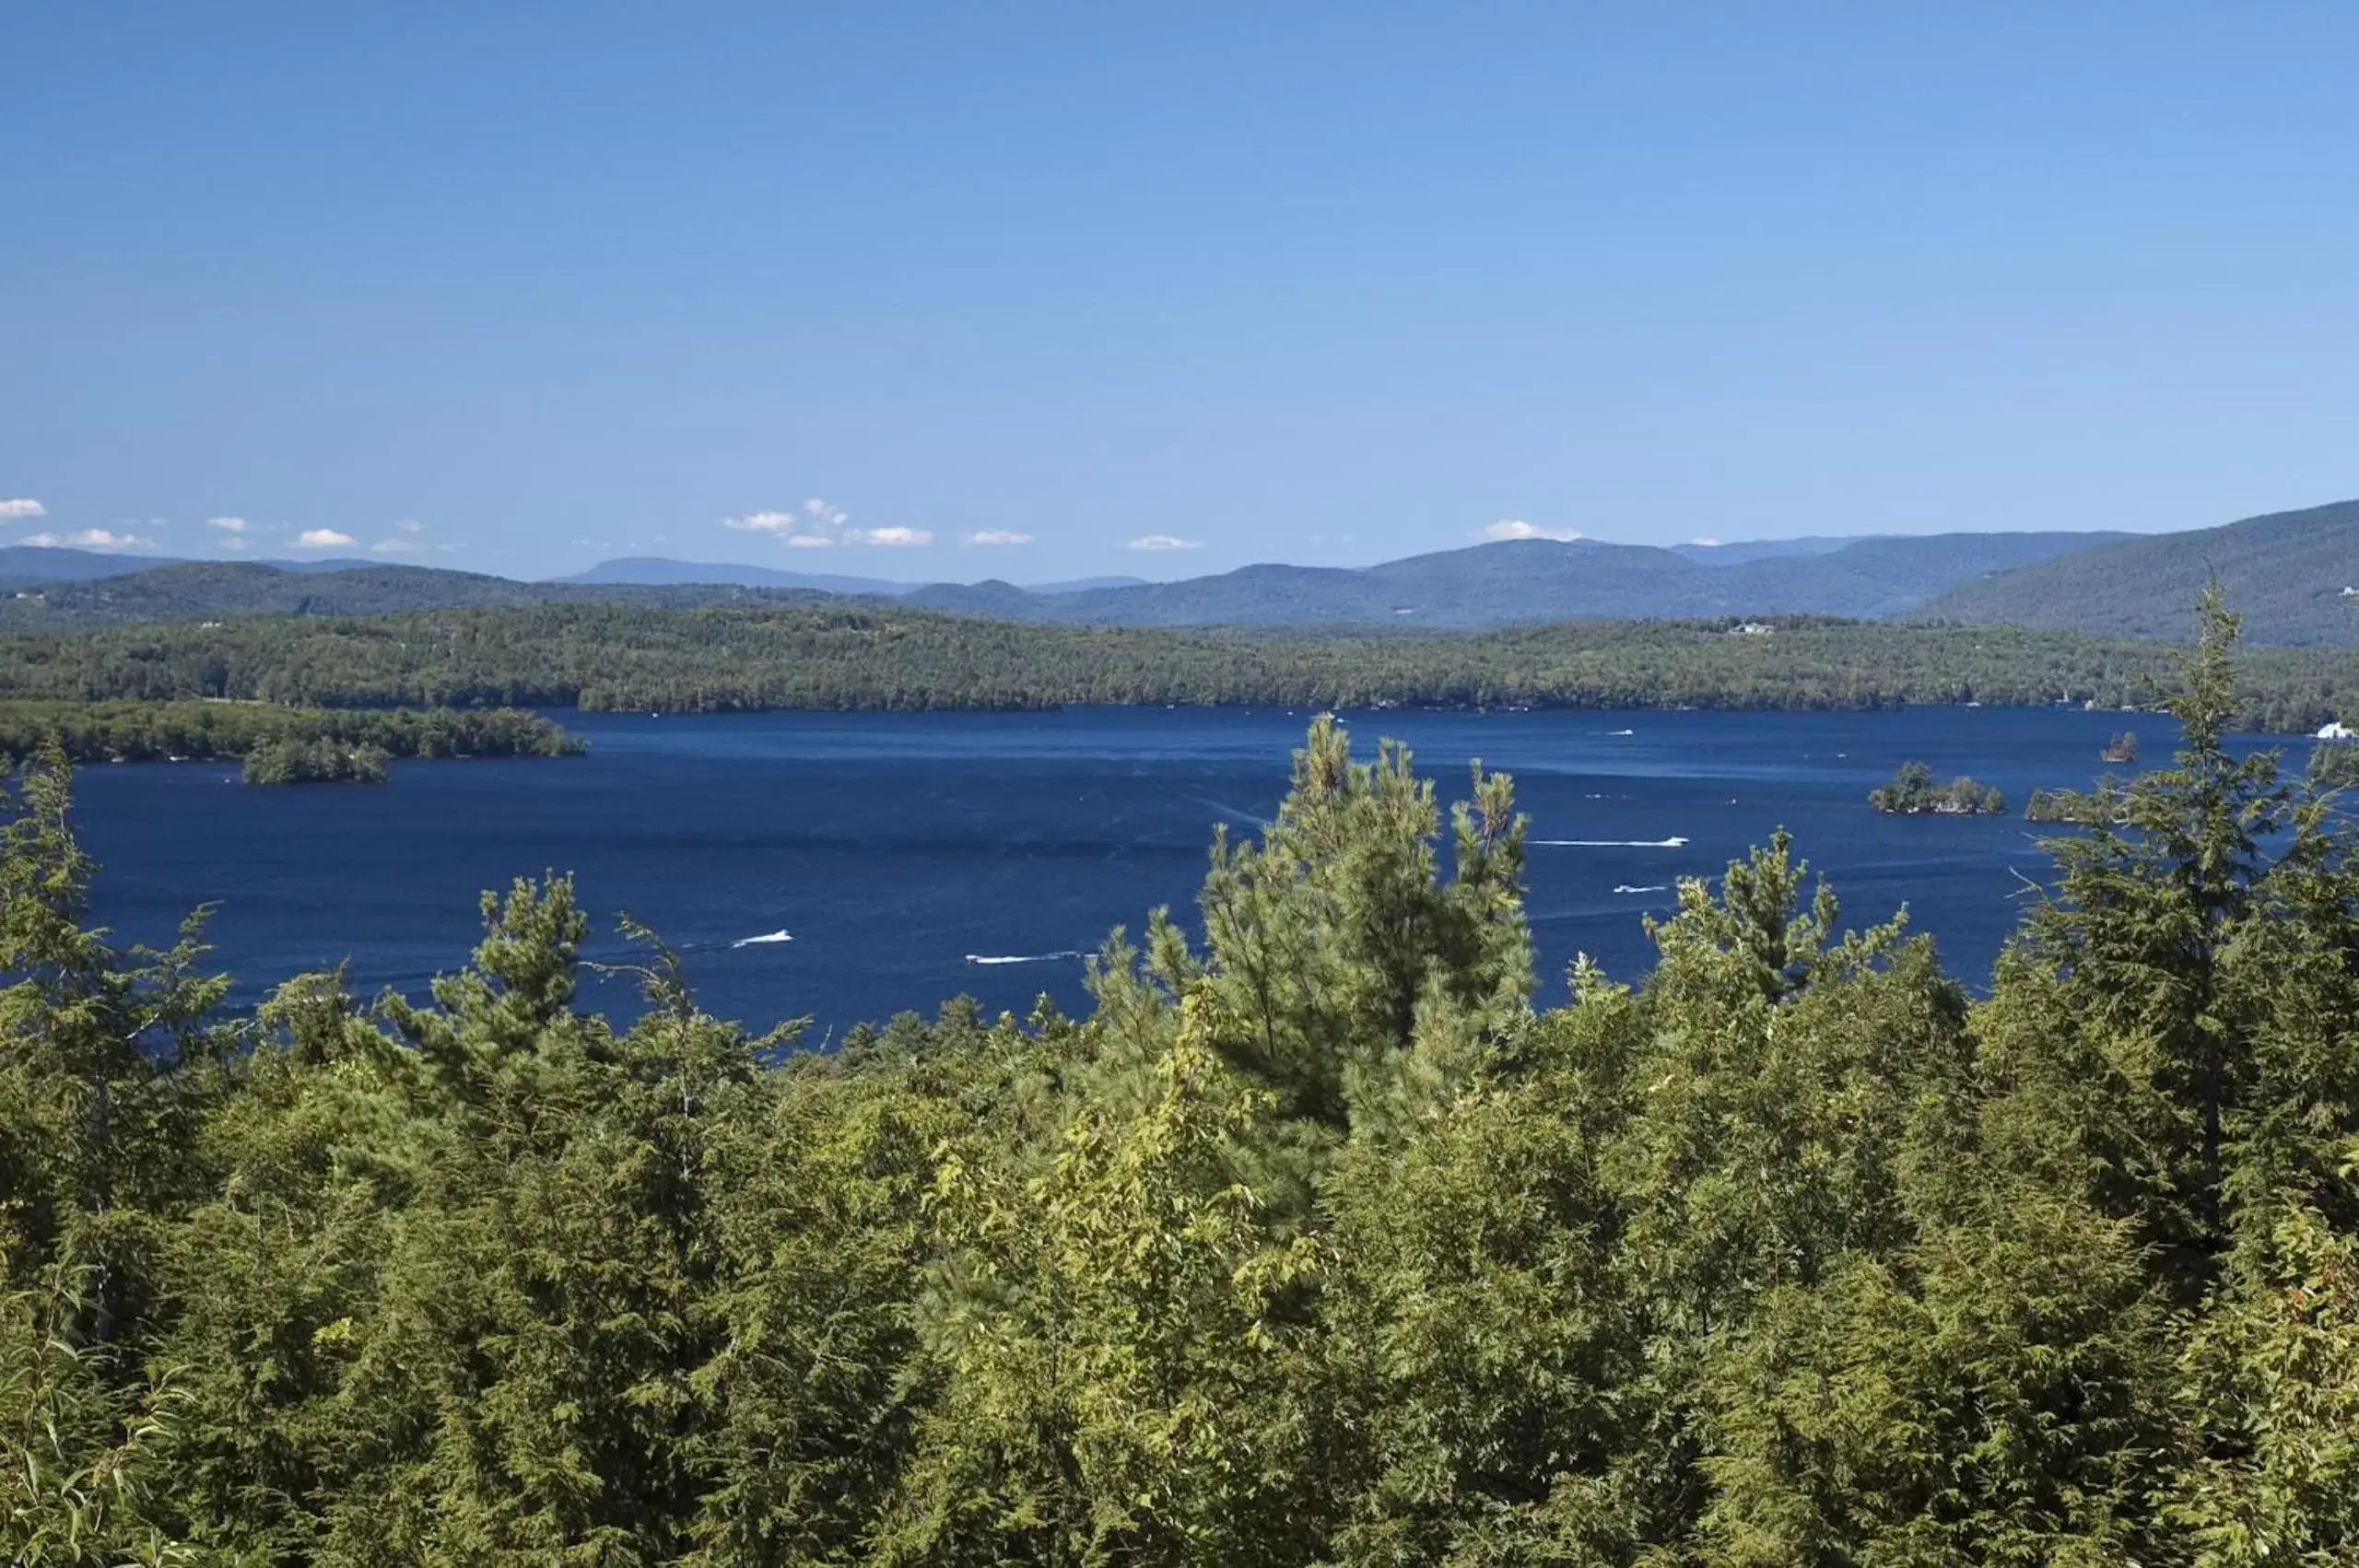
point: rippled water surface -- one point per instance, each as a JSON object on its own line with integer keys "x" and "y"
{"x": 850, "y": 866}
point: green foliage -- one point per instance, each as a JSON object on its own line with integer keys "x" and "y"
{"x": 2092, "y": 806}
{"x": 1319, "y": 1241}
{"x": 2333, "y": 765}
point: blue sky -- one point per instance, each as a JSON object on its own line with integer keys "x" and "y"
{"x": 518, "y": 288}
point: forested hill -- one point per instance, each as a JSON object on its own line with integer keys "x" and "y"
{"x": 2295, "y": 575}
{"x": 1789, "y": 1252}
{"x": 627, "y": 657}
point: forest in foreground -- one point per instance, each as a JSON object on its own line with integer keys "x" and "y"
{"x": 623, "y": 657}
{"x": 1325, "y": 1237}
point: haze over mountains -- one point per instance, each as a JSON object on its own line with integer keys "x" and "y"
{"x": 650, "y": 570}
{"x": 58, "y": 563}
{"x": 2286, "y": 571}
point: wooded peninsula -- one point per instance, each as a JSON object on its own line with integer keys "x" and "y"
{"x": 280, "y": 745}
{"x": 629, "y": 657}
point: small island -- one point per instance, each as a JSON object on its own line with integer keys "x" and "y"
{"x": 1912, "y": 793}
{"x": 2122, "y": 748}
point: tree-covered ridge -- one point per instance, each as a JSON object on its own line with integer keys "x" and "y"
{"x": 1321, "y": 1239}
{"x": 622, "y": 657}
{"x": 2293, "y": 573}
{"x": 198, "y": 730}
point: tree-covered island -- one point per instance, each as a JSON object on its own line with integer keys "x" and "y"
{"x": 1913, "y": 792}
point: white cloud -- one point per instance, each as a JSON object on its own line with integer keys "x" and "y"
{"x": 820, "y": 525}
{"x": 1162, "y": 542}
{"x": 998, "y": 536}
{"x": 393, "y": 547}
{"x": 1516, "y": 528}
{"x": 88, "y": 539}
{"x": 23, "y": 505}
{"x": 763, "y": 522}
{"x": 1704, "y": 542}
{"x": 229, "y": 524}
{"x": 410, "y": 525}
{"x": 818, "y": 522}
{"x": 234, "y": 543}
{"x": 322, "y": 539}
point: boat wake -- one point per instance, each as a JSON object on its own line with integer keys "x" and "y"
{"x": 1673, "y": 842}
{"x": 780, "y": 935}
{"x": 1022, "y": 957}
{"x": 1243, "y": 818}
{"x": 1651, "y": 887}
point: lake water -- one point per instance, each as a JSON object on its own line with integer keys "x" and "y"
{"x": 891, "y": 848}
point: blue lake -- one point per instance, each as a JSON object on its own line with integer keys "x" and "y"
{"x": 892, "y": 849}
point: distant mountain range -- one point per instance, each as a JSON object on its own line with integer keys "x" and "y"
{"x": 21, "y": 564}
{"x": 656, "y": 571}
{"x": 2293, "y": 576}
{"x": 1485, "y": 585}
{"x": 204, "y": 590}
{"x": 2287, "y": 572}
{"x": 1528, "y": 581}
